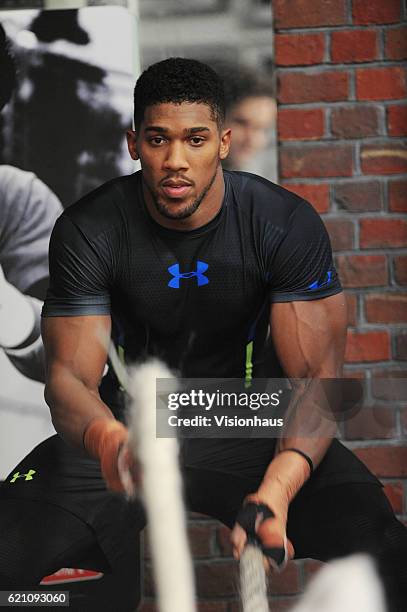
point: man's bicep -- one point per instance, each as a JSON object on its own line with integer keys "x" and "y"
{"x": 77, "y": 345}
{"x": 309, "y": 336}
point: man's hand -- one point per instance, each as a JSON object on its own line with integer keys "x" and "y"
{"x": 266, "y": 523}
{"x": 257, "y": 521}
{"x": 106, "y": 439}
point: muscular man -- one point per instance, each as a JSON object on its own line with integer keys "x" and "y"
{"x": 192, "y": 264}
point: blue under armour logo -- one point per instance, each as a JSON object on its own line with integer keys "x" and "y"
{"x": 201, "y": 279}
{"x": 316, "y": 285}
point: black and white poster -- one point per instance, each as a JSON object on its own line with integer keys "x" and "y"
{"x": 66, "y": 102}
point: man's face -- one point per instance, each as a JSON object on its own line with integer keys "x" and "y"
{"x": 251, "y": 121}
{"x": 180, "y": 148}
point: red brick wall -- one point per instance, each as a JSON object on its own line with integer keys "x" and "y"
{"x": 341, "y": 121}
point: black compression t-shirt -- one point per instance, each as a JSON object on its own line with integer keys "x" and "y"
{"x": 197, "y": 299}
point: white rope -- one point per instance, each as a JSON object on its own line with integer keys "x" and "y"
{"x": 350, "y": 584}
{"x": 161, "y": 492}
{"x": 253, "y": 585}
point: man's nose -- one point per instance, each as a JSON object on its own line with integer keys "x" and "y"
{"x": 176, "y": 158}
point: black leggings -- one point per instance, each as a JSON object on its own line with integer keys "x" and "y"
{"x": 38, "y": 538}
{"x": 65, "y": 517}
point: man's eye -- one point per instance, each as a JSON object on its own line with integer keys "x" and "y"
{"x": 197, "y": 140}
{"x": 157, "y": 140}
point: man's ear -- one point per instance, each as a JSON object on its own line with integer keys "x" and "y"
{"x": 132, "y": 144}
{"x": 224, "y": 143}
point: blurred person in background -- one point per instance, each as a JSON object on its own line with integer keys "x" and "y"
{"x": 28, "y": 211}
{"x": 251, "y": 112}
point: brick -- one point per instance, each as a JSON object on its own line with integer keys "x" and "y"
{"x": 380, "y": 83}
{"x": 223, "y": 541}
{"x": 350, "y": 372}
{"x": 277, "y": 604}
{"x": 401, "y": 346}
{"x": 212, "y": 606}
{"x": 397, "y": 193}
{"x": 281, "y": 604}
{"x": 394, "y": 493}
{"x": 299, "y": 49}
{"x": 384, "y": 158}
{"x": 353, "y": 46}
{"x": 200, "y": 538}
{"x": 362, "y": 270}
{"x": 400, "y": 269}
{"x": 385, "y": 461}
{"x": 404, "y": 420}
{"x": 316, "y": 161}
{"x": 298, "y": 124}
{"x": 382, "y": 233}
{"x": 367, "y": 346}
{"x": 316, "y": 194}
{"x": 397, "y": 120}
{"x": 386, "y": 308}
{"x": 288, "y": 581}
{"x": 341, "y": 233}
{"x": 352, "y": 307}
{"x": 371, "y": 423}
{"x": 328, "y": 86}
{"x": 375, "y": 11}
{"x": 358, "y": 196}
{"x": 216, "y": 579}
{"x": 389, "y": 385}
{"x": 396, "y": 44}
{"x": 355, "y": 122}
{"x": 302, "y": 13}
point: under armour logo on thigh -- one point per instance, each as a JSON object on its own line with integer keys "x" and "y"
{"x": 27, "y": 476}
{"x": 201, "y": 279}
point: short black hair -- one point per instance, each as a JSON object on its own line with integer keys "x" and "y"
{"x": 241, "y": 82}
{"x": 7, "y": 70}
{"x": 178, "y": 80}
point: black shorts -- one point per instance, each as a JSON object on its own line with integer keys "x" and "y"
{"x": 218, "y": 474}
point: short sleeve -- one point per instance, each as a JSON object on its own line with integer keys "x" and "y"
{"x": 79, "y": 274}
{"x": 29, "y": 210}
{"x": 302, "y": 268}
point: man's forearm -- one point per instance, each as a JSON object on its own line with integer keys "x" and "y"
{"x": 310, "y": 421}
{"x": 309, "y": 428}
{"x": 73, "y": 406}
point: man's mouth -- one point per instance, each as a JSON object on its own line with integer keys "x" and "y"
{"x": 176, "y": 189}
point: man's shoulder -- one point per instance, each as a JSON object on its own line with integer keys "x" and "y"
{"x": 106, "y": 206}
{"x": 13, "y": 177}
{"x": 261, "y": 198}
{"x": 20, "y": 190}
